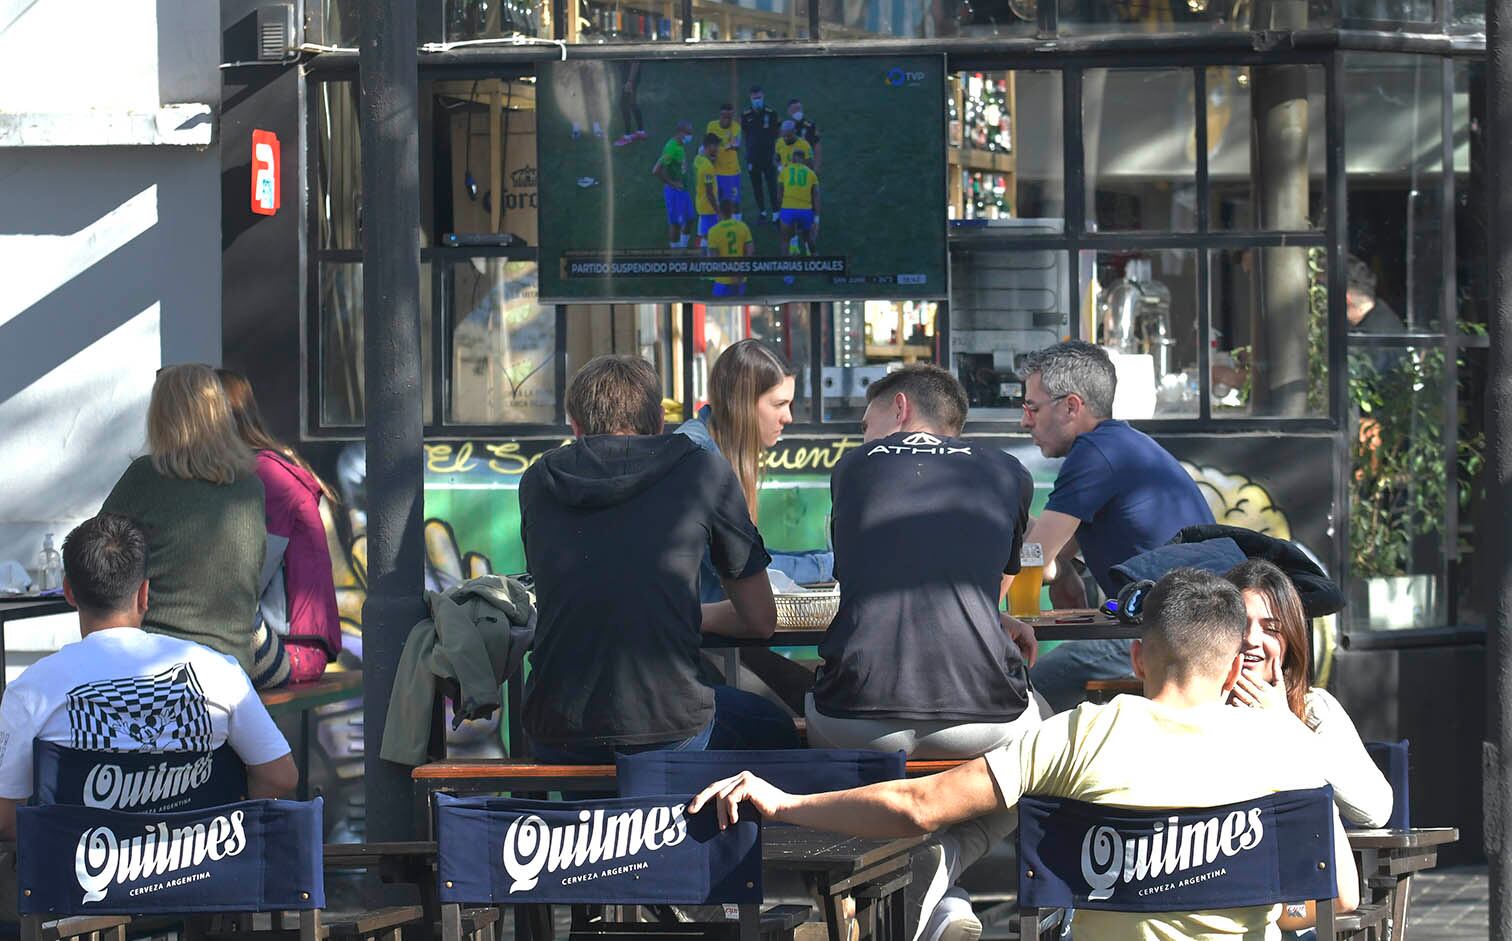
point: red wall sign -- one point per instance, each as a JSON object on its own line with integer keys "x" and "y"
{"x": 265, "y": 158}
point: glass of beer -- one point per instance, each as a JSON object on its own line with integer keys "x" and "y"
{"x": 1024, "y": 592}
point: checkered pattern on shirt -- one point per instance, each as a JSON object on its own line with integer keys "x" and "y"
{"x": 161, "y": 713}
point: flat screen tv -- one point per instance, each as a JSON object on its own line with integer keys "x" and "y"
{"x": 742, "y": 180}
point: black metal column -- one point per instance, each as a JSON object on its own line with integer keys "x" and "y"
{"x": 1498, "y": 535}
{"x": 390, "y": 136}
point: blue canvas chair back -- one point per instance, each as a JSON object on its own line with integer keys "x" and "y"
{"x": 1391, "y": 758}
{"x": 251, "y": 856}
{"x": 1277, "y": 848}
{"x": 626, "y": 851}
{"x": 137, "y": 782}
{"x": 797, "y": 771}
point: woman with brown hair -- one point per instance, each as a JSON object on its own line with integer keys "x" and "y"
{"x": 298, "y": 594}
{"x": 1275, "y": 676}
{"x": 750, "y": 402}
{"x": 198, "y": 497}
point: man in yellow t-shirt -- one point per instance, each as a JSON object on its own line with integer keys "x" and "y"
{"x": 727, "y": 158}
{"x": 1182, "y": 747}
{"x": 800, "y": 205}
{"x": 790, "y": 143}
{"x": 730, "y": 238}
{"x": 705, "y": 187}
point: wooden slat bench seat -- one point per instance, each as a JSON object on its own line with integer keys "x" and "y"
{"x": 1104, "y": 690}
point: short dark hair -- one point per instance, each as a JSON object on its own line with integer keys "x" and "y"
{"x": 792, "y": 101}
{"x": 1361, "y": 278}
{"x": 105, "y": 561}
{"x": 1076, "y": 367}
{"x": 935, "y": 392}
{"x": 727, "y": 107}
{"x": 616, "y": 394}
{"x": 1194, "y": 621}
{"x": 711, "y": 139}
{"x": 755, "y": 88}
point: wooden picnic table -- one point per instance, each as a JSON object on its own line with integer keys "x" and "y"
{"x": 21, "y": 608}
{"x": 1388, "y": 861}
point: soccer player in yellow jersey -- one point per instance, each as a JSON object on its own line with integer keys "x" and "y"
{"x": 788, "y": 144}
{"x": 727, "y": 160}
{"x": 800, "y": 204}
{"x": 730, "y": 238}
{"x": 705, "y": 197}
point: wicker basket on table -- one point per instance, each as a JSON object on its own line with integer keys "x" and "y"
{"x": 806, "y": 610}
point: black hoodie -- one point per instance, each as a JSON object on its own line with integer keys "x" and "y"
{"x": 614, "y": 528}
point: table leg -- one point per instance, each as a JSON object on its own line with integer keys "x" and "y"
{"x": 306, "y": 728}
{"x": 731, "y": 657}
{"x": 1399, "y": 909}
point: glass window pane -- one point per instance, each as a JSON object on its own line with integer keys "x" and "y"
{"x": 635, "y": 21}
{"x": 744, "y": 20}
{"x": 1242, "y": 177}
{"x": 464, "y": 20}
{"x": 1003, "y": 306}
{"x": 649, "y": 330}
{"x": 1270, "y": 333}
{"x": 337, "y": 199}
{"x": 489, "y": 133}
{"x": 1146, "y": 315}
{"x": 1183, "y": 16}
{"x": 503, "y": 356}
{"x": 341, "y": 343}
{"x": 1139, "y": 129}
{"x": 855, "y": 19}
{"x": 785, "y": 328}
{"x": 863, "y": 340}
{"x": 1393, "y": 153}
{"x": 996, "y": 171}
{"x": 1388, "y": 11}
{"x": 1398, "y": 489}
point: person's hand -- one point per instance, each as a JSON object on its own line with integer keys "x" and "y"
{"x": 1258, "y": 694}
{"x": 745, "y": 786}
{"x": 1023, "y": 637}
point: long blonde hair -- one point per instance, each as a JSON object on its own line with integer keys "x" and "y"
{"x": 190, "y": 432}
{"x": 739, "y": 378}
{"x": 249, "y": 425}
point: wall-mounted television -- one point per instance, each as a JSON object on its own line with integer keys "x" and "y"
{"x": 650, "y": 172}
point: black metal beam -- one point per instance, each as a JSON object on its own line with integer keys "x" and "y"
{"x": 390, "y": 129}
{"x": 988, "y": 52}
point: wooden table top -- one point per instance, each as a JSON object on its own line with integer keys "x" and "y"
{"x": 1062, "y": 624}
{"x": 1401, "y": 839}
{"x": 16, "y": 609}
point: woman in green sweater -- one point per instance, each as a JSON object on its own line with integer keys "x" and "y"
{"x": 198, "y": 496}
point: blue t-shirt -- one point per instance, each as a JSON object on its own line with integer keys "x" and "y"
{"x": 1129, "y": 494}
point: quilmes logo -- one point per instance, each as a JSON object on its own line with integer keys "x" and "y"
{"x": 109, "y": 787}
{"x": 532, "y": 847}
{"x": 103, "y": 857}
{"x": 897, "y": 77}
{"x": 1109, "y": 857}
{"x": 920, "y": 442}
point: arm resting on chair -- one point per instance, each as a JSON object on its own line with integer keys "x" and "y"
{"x": 272, "y": 779}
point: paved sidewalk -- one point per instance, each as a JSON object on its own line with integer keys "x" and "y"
{"x": 1450, "y": 903}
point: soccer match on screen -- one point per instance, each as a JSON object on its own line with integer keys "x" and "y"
{"x": 764, "y": 179}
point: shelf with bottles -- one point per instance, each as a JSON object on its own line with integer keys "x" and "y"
{"x": 985, "y": 195}
{"x": 654, "y": 21}
{"x": 724, "y": 22}
{"x": 980, "y": 109}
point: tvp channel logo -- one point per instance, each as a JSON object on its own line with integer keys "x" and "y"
{"x": 897, "y": 77}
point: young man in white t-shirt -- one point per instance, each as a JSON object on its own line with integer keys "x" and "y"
{"x": 1181, "y": 747}
{"x": 121, "y": 689}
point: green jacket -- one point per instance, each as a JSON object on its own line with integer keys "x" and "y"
{"x": 474, "y": 641}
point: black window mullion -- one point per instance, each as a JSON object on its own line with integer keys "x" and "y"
{"x": 1338, "y": 353}
{"x": 442, "y": 303}
{"x": 1449, "y": 324}
{"x": 560, "y": 377}
{"x": 816, "y": 360}
{"x": 1074, "y": 196}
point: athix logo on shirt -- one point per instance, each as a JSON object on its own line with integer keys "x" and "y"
{"x": 532, "y": 847}
{"x": 103, "y": 857}
{"x": 110, "y": 787}
{"x": 1108, "y": 856}
{"x": 920, "y": 442}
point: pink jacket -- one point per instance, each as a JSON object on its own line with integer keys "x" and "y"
{"x": 299, "y": 595}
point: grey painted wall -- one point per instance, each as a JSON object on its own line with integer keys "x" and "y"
{"x": 109, "y": 255}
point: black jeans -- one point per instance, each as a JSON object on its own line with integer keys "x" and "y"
{"x": 765, "y": 170}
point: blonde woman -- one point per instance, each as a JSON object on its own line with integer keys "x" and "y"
{"x": 750, "y": 403}
{"x": 198, "y": 497}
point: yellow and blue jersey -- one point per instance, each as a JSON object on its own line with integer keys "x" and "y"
{"x": 785, "y": 150}
{"x": 729, "y": 239}
{"x": 798, "y": 185}
{"x": 727, "y": 163}
{"x": 703, "y": 181}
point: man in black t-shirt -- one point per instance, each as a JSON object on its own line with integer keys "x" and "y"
{"x": 614, "y": 527}
{"x": 918, "y": 658}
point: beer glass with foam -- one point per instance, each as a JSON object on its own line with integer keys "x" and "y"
{"x": 1024, "y": 592}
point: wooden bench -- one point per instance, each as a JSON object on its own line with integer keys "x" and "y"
{"x": 1101, "y": 691}
{"x": 302, "y": 699}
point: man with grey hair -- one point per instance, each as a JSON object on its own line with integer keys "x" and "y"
{"x": 1118, "y": 494}
{"x": 1367, "y": 313}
